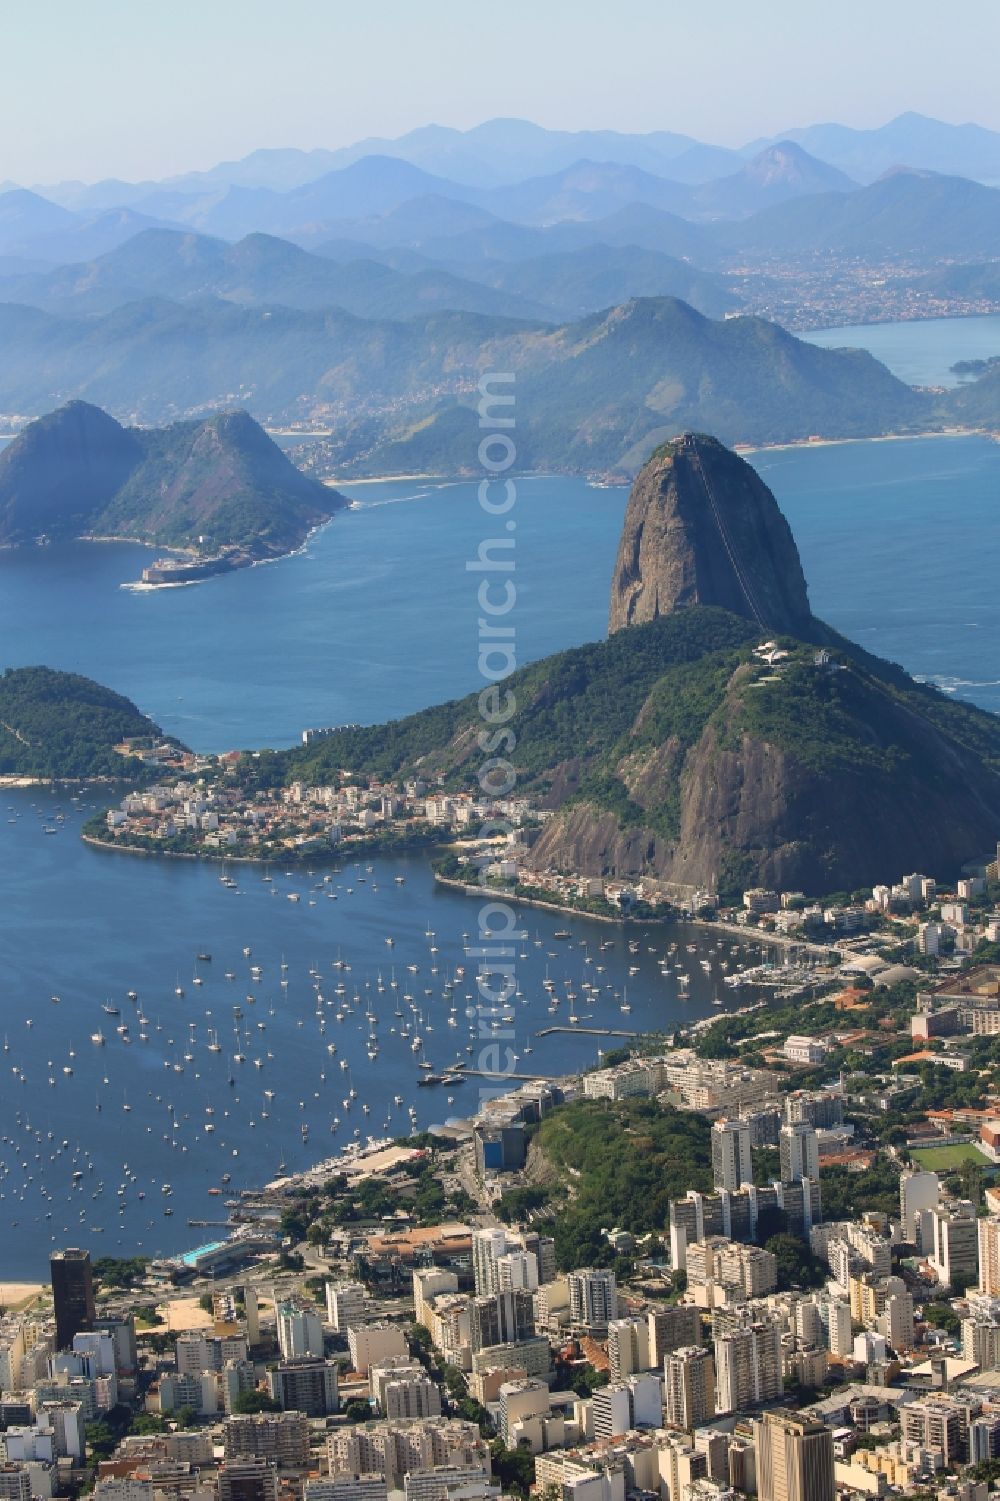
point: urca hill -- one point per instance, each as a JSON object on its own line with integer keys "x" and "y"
{"x": 212, "y": 486}
{"x": 722, "y": 736}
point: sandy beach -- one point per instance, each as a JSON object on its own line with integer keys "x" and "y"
{"x": 16, "y": 1296}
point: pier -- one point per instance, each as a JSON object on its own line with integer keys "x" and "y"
{"x": 587, "y": 1032}
{"x": 504, "y": 1073}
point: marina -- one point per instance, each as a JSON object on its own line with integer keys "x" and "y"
{"x": 309, "y": 1034}
{"x": 231, "y": 1077}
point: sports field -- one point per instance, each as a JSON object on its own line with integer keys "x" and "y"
{"x": 946, "y": 1159}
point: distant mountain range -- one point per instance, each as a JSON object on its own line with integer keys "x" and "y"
{"x": 262, "y": 270}
{"x": 910, "y": 140}
{"x": 782, "y": 203}
{"x": 376, "y": 185}
{"x": 32, "y": 228}
{"x": 365, "y": 291}
{"x": 916, "y": 216}
{"x": 506, "y": 151}
{"x": 595, "y": 393}
{"x": 215, "y": 486}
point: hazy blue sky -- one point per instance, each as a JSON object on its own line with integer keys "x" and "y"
{"x": 135, "y": 88}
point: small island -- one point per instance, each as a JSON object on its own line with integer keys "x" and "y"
{"x": 217, "y": 494}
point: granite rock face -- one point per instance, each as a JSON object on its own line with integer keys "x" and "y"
{"x": 702, "y": 528}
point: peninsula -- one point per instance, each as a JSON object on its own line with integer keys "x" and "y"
{"x": 219, "y": 492}
{"x": 722, "y": 738}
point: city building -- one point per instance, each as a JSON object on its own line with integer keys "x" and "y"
{"x": 279, "y": 1436}
{"x": 612, "y": 1411}
{"x": 593, "y": 1299}
{"x": 919, "y": 1193}
{"x": 689, "y": 1387}
{"x": 308, "y": 1386}
{"x": 345, "y": 1304}
{"x": 346, "y": 1488}
{"x": 794, "y": 1458}
{"x": 500, "y": 1319}
{"x": 15, "y": 1482}
{"x": 981, "y": 1331}
{"x": 254, "y": 1479}
{"x": 525, "y": 1413}
{"x": 989, "y": 1255}
{"x": 954, "y": 1250}
{"x": 938, "y": 1423}
{"x": 628, "y": 1347}
{"x": 374, "y": 1344}
{"x": 798, "y": 1149}
{"x": 235, "y": 1379}
{"x": 300, "y": 1332}
{"x": 805, "y": 1050}
{"x": 402, "y": 1389}
{"x": 671, "y": 1327}
{"x": 487, "y": 1248}
{"x": 747, "y": 1365}
{"x": 731, "y": 1159}
{"x": 72, "y": 1294}
{"x": 394, "y": 1450}
{"x": 717, "y": 1261}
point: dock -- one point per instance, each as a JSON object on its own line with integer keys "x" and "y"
{"x": 588, "y": 1032}
{"x": 503, "y": 1073}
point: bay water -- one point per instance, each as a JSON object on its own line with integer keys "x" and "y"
{"x": 377, "y": 617}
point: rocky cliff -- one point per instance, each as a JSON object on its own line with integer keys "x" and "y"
{"x": 702, "y": 528}
{"x": 721, "y": 737}
{"x": 812, "y": 777}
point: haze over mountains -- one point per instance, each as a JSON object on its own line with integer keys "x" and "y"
{"x": 510, "y": 169}
{"x": 400, "y": 396}
{"x": 504, "y": 151}
{"x": 363, "y": 291}
{"x": 261, "y": 270}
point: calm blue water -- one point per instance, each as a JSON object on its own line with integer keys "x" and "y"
{"x": 900, "y": 542}
{"x": 378, "y": 617}
{"x": 89, "y": 926}
{"x": 921, "y": 353}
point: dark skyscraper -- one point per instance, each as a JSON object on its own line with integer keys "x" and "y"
{"x": 72, "y": 1294}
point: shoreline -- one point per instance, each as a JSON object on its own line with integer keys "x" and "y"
{"x": 809, "y": 443}
{"x": 605, "y": 480}
{"x": 830, "y": 328}
{"x": 190, "y": 556}
{"x": 336, "y": 853}
{"x": 14, "y": 779}
{"x": 531, "y": 901}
